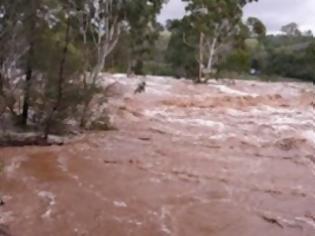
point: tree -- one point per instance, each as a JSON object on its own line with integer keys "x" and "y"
{"x": 102, "y": 21}
{"x": 101, "y": 25}
{"x": 142, "y": 29}
{"x": 308, "y": 33}
{"x": 214, "y": 22}
{"x": 52, "y": 53}
{"x": 179, "y": 54}
{"x": 256, "y": 27}
{"x": 65, "y": 17}
{"x": 291, "y": 29}
{"x": 31, "y": 21}
{"x": 13, "y": 48}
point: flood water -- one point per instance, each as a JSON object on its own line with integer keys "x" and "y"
{"x": 219, "y": 159}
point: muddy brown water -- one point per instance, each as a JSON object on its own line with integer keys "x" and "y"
{"x": 218, "y": 159}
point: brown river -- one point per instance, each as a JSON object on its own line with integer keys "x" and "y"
{"x": 221, "y": 159}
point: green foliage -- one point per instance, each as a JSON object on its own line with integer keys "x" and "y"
{"x": 293, "y": 65}
{"x": 62, "y": 46}
{"x": 180, "y": 55}
{"x": 142, "y": 31}
{"x": 239, "y": 61}
{"x": 209, "y": 28}
{"x": 162, "y": 69}
{"x": 256, "y": 27}
{"x": 291, "y": 55}
{"x": 215, "y": 18}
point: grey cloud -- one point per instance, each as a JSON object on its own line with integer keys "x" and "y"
{"x": 274, "y": 13}
{"x": 173, "y": 10}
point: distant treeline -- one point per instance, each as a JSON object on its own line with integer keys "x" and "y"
{"x": 288, "y": 55}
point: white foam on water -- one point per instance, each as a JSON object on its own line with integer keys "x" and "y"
{"x": 155, "y": 180}
{"x": 160, "y": 79}
{"x": 283, "y": 116}
{"x": 155, "y": 112}
{"x": 235, "y": 112}
{"x": 6, "y": 217}
{"x": 171, "y": 117}
{"x": 197, "y": 122}
{"x": 52, "y": 201}
{"x": 120, "y": 204}
{"x": 220, "y": 137}
{"x": 128, "y": 221}
{"x": 63, "y": 163}
{"x": 164, "y": 213}
{"x": 227, "y": 90}
{"x": 307, "y": 221}
{"x": 157, "y": 91}
{"x": 14, "y": 165}
{"x": 119, "y": 75}
{"x": 309, "y": 135}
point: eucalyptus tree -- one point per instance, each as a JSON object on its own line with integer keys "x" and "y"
{"x": 215, "y": 22}
{"x": 142, "y": 29}
{"x": 36, "y": 34}
{"x": 291, "y": 30}
{"x": 13, "y": 48}
{"x": 256, "y": 27}
{"x": 101, "y": 23}
{"x": 180, "y": 53}
{"x": 53, "y": 46}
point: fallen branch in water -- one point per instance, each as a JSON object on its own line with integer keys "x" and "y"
{"x": 272, "y": 220}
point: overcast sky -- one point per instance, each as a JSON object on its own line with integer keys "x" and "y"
{"x": 274, "y": 13}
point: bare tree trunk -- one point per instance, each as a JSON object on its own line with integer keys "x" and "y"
{"x": 85, "y": 111}
{"x": 201, "y": 42}
{"x": 28, "y": 80}
{"x": 105, "y": 44}
{"x": 89, "y": 89}
{"x": 60, "y": 80}
{"x": 130, "y": 69}
{"x": 2, "y": 104}
{"x": 104, "y": 51}
{"x": 86, "y": 101}
{"x": 1, "y": 76}
{"x": 2, "y": 60}
{"x": 29, "y": 66}
{"x": 212, "y": 48}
